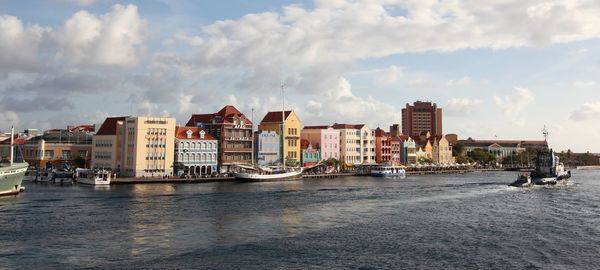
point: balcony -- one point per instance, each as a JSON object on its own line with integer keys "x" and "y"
{"x": 229, "y": 150}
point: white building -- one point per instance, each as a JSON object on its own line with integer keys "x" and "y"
{"x": 357, "y": 144}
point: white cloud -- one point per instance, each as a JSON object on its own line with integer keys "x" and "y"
{"x": 391, "y": 75}
{"x": 82, "y": 2}
{"x": 461, "y": 106}
{"x": 19, "y": 44}
{"x": 513, "y": 105}
{"x": 466, "y": 80}
{"x": 584, "y": 83}
{"x": 587, "y": 111}
{"x": 111, "y": 39}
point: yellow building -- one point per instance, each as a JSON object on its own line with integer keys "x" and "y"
{"x": 135, "y": 146}
{"x": 291, "y": 145}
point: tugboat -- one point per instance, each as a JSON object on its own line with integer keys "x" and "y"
{"x": 548, "y": 170}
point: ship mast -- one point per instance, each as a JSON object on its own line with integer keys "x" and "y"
{"x": 12, "y": 141}
{"x": 252, "y": 136}
{"x": 282, "y": 126}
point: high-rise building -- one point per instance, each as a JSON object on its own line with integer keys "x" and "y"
{"x": 422, "y": 117}
{"x": 233, "y": 130}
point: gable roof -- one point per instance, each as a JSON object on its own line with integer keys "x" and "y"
{"x": 109, "y": 127}
{"x": 275, "y": 117}
{"x": 221, "y": 117}
{"x": 181, "y": 133}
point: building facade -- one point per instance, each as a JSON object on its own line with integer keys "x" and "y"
{"x": 268, "y": 147}
{"x": 324, "y": 138}
{"x": 291, "y": 134}
{"x": 59, "y": 147}
{"x": 310, "y": 155}
{"x": 357, "y": 144}
{"x": 421, "y": 117}
{"x": 196, "y": 151}
{"x": 233, "y": 130}
{"x": 383, "y": 146}
{"x": 107, "y": 145}
{"x": 442, "y": 151}
{"x": 409, "y": 153}
{"x": 502, "y": 148}
{"x": 135, "y": 146}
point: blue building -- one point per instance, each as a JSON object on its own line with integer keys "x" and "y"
{"x": 268, "y": 148}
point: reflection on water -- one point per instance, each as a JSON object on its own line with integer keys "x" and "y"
{"x": 442, "y": 218}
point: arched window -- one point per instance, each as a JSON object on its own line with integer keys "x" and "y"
{"x": 181, "y": 145}
{"x": 187, "y": 145}
{"x": 180, "y": 157}
{"x": 187, "y": 157}
{"x": 204, "y": 145}
{"x": 203, "y": 157}
{"x": 193, "y": 145}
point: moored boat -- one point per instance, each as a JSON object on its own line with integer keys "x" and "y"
{"x": 93, "y": 177}
{"x": 257, "y": 174}
{"x": 388, "y": 171}
{"x": 12, "y": 172}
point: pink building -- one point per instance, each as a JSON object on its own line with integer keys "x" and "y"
{"x": 324, "y": 138}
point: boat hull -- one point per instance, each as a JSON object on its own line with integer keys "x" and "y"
{"x": 94, "y": 182}
{"x": 383, "y": 174}
{"x": 254, "y": 177}
{"x": 11, "y": 178}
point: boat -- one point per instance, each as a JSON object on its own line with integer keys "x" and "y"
{"x": 255, "y": 173}
{"x": 524, "y": 180}
{"x": 62, "y": 177}
{"x": 548, "y": 170}
{"x": 30, "y": 174}
{"x": 43, "y": 176}
{"x": 93, "y": 177}
{"x": 388, "y": 171}
{"x": 12, "y": 172}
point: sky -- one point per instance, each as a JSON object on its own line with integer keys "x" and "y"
{"x": 499, "y": 69}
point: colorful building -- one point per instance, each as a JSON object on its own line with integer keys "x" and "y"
{"x": 268, "y": 147}
{"x": 324, "y": 138}
{"x": 310, "y": 155}
{"x": 357, "y": 144}
{"x": 291, "y": 135}
{"x": 409, "y": 153}
{"x": 196, "y": 151}
{"x": 233, "y": 130}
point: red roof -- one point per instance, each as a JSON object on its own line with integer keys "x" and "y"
{"x": 316, "y": 127}
{"x": 109, "y": 127}
{"x": 181, "y": 133}
{"x": 275, "y": 117}
{"x": 348, "y": 126}
{"x": 223, "y": 116}
{"x": 304, "y": 143}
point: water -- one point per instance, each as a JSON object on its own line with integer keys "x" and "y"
{"x": 444, "y": 221}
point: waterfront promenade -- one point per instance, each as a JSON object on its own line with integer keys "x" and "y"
{"x": 147, "y": 180}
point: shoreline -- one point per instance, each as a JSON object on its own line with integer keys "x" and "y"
{"x": 131, "y": 180}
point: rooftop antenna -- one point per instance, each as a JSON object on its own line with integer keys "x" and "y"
{"x": 545, "y": 133}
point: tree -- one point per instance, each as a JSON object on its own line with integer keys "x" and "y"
{"x": 457, "y": 149}
{"x": 482, "y": 156}
{"x": 463, "y": 160}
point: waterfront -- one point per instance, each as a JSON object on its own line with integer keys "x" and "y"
{"x": 469, "y": 220}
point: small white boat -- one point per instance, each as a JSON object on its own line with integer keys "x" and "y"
{"x": 30, "y": 174}
{"x": 93, "y": 177}
{"x": 43, "y": 176}
{"x": 388, "y": 171}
